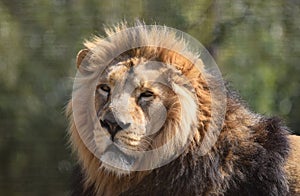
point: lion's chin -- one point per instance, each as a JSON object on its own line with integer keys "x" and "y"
{"x": 116, "y": 161}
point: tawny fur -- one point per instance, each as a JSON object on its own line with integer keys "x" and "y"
{"x": 253, "y": 154}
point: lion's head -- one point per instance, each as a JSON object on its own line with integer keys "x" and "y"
{"x": 137, "y": 106}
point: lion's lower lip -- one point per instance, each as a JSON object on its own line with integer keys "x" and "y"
{"x": 124, "y": 157}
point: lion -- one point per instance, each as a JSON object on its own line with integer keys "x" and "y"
{"x": 153, "y": 130}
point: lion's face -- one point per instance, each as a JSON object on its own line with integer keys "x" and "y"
{"x": 139, "y": 110}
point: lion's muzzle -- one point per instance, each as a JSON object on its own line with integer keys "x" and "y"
{"x": 112, "y": 125}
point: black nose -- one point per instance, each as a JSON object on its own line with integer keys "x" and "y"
{"x": 112, "y": 125}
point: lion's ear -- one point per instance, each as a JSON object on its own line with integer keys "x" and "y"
{"x": 80, "y": 56}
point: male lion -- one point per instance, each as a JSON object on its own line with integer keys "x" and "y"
{"x": 148, "y": 118}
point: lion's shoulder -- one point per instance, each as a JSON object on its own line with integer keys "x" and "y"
{"x": 293, "y": 165}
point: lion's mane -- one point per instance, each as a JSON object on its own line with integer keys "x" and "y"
{"x": 252, "y": 155}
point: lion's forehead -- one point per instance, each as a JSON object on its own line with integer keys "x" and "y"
{"x": 115, "y": 73}
{"x": 136, "y": 75}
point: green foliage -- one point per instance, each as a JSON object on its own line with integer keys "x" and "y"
{"x": 255, "y": 43}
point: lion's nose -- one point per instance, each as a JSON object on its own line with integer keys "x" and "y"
{"x": 112, "y": 125}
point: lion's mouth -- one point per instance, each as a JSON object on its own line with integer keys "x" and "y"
{"x": 117, "y": 158}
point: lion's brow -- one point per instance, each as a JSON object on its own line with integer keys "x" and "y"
{"x": 117, "y": 72}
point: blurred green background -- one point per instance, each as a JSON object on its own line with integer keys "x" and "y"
{"x": 255, "y": 43}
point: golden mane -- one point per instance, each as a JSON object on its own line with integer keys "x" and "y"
{"x": 161, "y": 42}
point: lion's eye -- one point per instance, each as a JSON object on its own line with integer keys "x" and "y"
{"x": 147, "y": 95}
{"x": 103, "y": 89}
